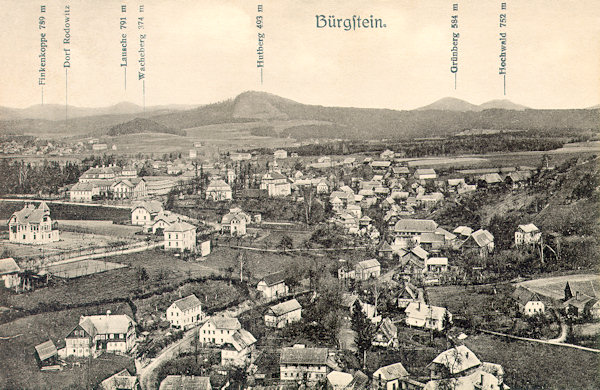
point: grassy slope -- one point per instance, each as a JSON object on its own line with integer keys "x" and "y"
{"x": 18, "y": 366}
{"x": 530, "y": 365}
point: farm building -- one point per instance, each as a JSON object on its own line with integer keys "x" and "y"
{"x": 284, "y": 313}
{"x": 9, "y": 272}
{"x": 273, "y": 285}
{"x": 299, "y": 363}
{"x": 46, "y": 354}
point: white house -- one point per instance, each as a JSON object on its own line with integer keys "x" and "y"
{"x": 389, "y": 377}
{"x": 101, "y": 333}
{"x": 226, "y": 332}
{"x": 131, "y": 188}
{"x": 436, "y": 264}
{"x": 284, "y": 313}
{"x": 237, "y": 350}
{"x": 425, "y": 174}
{"x": 529, "y": 302}
{"x": 9, "y": 272}
{"x": 273, "y": 285}
{"x": 180, "y": 236}
{"x": 276, "y": 184}
{"x": 527, "y": 234}
{"x": 32, "y": 225}
{"x": 235, "y": 222}
{"x": 218, "y": 190}
{"x": 145, "y": 212}
{"x": 185, "y": 312}
{"x": 217, "y": 330}
{"x": 83, "y": 192}
{"x": 280, "y": 154}
{"x": 426, "y": 316}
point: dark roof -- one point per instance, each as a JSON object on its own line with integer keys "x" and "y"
{"x": 182, "y": 382}
{"x": 291, "y": 355}
{"x": 46, "y": 350}
{"x": 274, "y": 278}
{"x": 415, "y": 225}
{"x": 522, "y": 295}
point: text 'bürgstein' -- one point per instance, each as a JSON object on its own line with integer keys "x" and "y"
{"x": 353, "y": 23}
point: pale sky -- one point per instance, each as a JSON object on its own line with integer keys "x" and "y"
{"x": 203, "y": 51}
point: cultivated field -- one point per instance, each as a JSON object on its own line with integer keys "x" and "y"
{"x": 76, "y": 269}
{"x": 69, "y": 242}
{"x": 163, "y": 272}
{"x": 106, "y": 228}
{"x": 554, "y": 287}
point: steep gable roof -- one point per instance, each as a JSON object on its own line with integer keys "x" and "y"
{"x": 222, "y": 322}
{"x": 391, "y": 372}
{"x": 285, "y": 307}
{"x": 457, "y": 360}
{"x": 8, "y": 266}
{"x": 274, "y": 278}
{"x": 46, "y": 350}
{"x": 187, "y": 303}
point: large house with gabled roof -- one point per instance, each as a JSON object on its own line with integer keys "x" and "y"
{"x": 143, "y": 213}
{"x": 114, "y": 333}
{"x": 32, "y": 225}
{"x": 185, "y": 312}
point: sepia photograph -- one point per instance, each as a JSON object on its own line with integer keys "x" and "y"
{"x": 294, "y": 195}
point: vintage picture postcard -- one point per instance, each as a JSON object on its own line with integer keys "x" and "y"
{"x": 279, "y": 194}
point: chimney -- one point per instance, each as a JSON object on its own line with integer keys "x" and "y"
{"x": 577, "y": 295}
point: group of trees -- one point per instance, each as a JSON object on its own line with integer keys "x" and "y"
{"x": 24, "y": 178}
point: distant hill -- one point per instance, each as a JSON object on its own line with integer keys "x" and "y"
{"x": 56, "y": 112}
{"x": 142, "y": 125}
{"x": 450, "y": 104}
{"x": 596, "y": 107}
{"x": 454, "y": 104}
{"x": 445, "y": 117}
{"x": 503, "y": 104}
